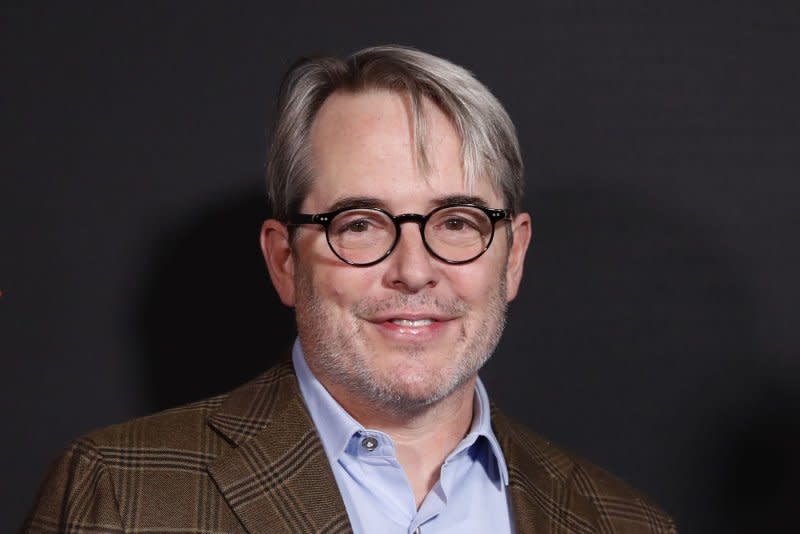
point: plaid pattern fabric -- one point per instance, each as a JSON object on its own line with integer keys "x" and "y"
{"x": 251, "y": 461}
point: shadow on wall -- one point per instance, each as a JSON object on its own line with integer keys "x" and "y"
{"x": 635, "y": 331}
{"x": 209, "y": 318}
{"x": 763, "y": 464}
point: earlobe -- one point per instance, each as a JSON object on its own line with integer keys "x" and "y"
{"x": 523, "y": 231}
{"x": 277, "y": 250}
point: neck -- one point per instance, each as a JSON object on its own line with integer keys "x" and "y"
{"x": 423, "y": 439}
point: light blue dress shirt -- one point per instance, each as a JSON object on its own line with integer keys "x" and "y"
{"x": 470, "y": 496}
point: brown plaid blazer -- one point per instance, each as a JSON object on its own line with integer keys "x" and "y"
{"x": 251, "y": 461}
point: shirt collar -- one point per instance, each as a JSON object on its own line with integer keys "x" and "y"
{"x": 482, "y": 427}
{"x": 336, "y": 427}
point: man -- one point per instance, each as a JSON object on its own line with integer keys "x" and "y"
{"x": 398, "y": 237}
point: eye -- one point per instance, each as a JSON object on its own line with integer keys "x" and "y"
{"x": 360, "y": 225}
{"x": 359, "y": 222}
{"x": 455, "y": 224}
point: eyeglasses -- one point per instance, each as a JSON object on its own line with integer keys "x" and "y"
{"x": 454, "y": 233}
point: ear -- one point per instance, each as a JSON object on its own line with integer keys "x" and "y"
{"x": 277, "y": 252}
{"x": 521, "y": 226}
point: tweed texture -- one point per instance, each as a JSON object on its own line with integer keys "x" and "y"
{"x": 252, "y": 462}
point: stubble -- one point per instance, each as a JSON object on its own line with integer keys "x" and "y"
{"x": 339, "y": 350}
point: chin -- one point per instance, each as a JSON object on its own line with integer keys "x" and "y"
{"x": 404, "y": 391}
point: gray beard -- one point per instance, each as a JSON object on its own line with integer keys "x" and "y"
{"x": 333, "y": 353}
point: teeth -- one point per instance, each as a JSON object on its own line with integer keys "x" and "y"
{"x": 412, "y": 324}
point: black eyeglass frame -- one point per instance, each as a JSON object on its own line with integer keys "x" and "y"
{"x": 324, "y": 219}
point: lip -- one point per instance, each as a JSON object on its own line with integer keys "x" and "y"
{"x": 398, "y": 332}
{"x": 436, "y": 317}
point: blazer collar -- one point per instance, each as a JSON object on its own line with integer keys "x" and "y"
{"x": 275, "y": 476}
{"x": 277, "y": 479}
{"x": 541, "y": 483}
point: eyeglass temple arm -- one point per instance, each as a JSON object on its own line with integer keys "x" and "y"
{"x": 305, "y": 218}
{"x": 499, "y": 214}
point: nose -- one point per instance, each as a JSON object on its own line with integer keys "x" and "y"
{"x": 411, "y": 267}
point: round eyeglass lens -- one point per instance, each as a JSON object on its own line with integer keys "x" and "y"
{"x": 361, "y": 236}
{"x": 458, "y": 233}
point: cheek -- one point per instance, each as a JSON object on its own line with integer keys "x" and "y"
{"x": 344, "y": 285}
{"x": 330, "y": 279}
{"x": 474, "y": 283}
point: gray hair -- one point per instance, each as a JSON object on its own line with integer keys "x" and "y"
{"x": 489, "y": 142}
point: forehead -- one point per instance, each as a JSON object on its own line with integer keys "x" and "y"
{"x": 363, "y": 144}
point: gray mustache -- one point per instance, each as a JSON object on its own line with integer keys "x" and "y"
{"x": 373, "y": 306}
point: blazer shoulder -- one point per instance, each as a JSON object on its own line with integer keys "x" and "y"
{"x": 616, "y": 506}
{"x": 246, "y": 409}
{"x": 158, "y": 462}
{"x": 175, "y": 427}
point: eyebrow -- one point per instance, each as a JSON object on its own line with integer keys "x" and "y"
{"x": 374, "y": 202}
{"x": 357, "y": 202}
{"x": 460, "y": 199}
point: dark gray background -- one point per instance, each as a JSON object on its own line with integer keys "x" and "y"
{"x": 656, "y": 331}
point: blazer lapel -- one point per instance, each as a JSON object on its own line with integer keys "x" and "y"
{"x": 277, "y": 479}
{"x": 276, "y": 476}
{"x": 542, "y": 499}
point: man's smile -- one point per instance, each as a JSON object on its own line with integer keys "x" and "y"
{"x": 417, "y": 327}
{"x": 413, "y": 323}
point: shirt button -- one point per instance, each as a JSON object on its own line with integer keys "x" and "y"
{"x": 369, "y": 443}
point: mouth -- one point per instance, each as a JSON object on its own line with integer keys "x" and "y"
{"x": 412, "y": 327}
{"x": 412, "y": 323}
{"x": 410, "y": 319}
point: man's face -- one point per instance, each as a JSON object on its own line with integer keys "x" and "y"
{"x": 410, "y": 330}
